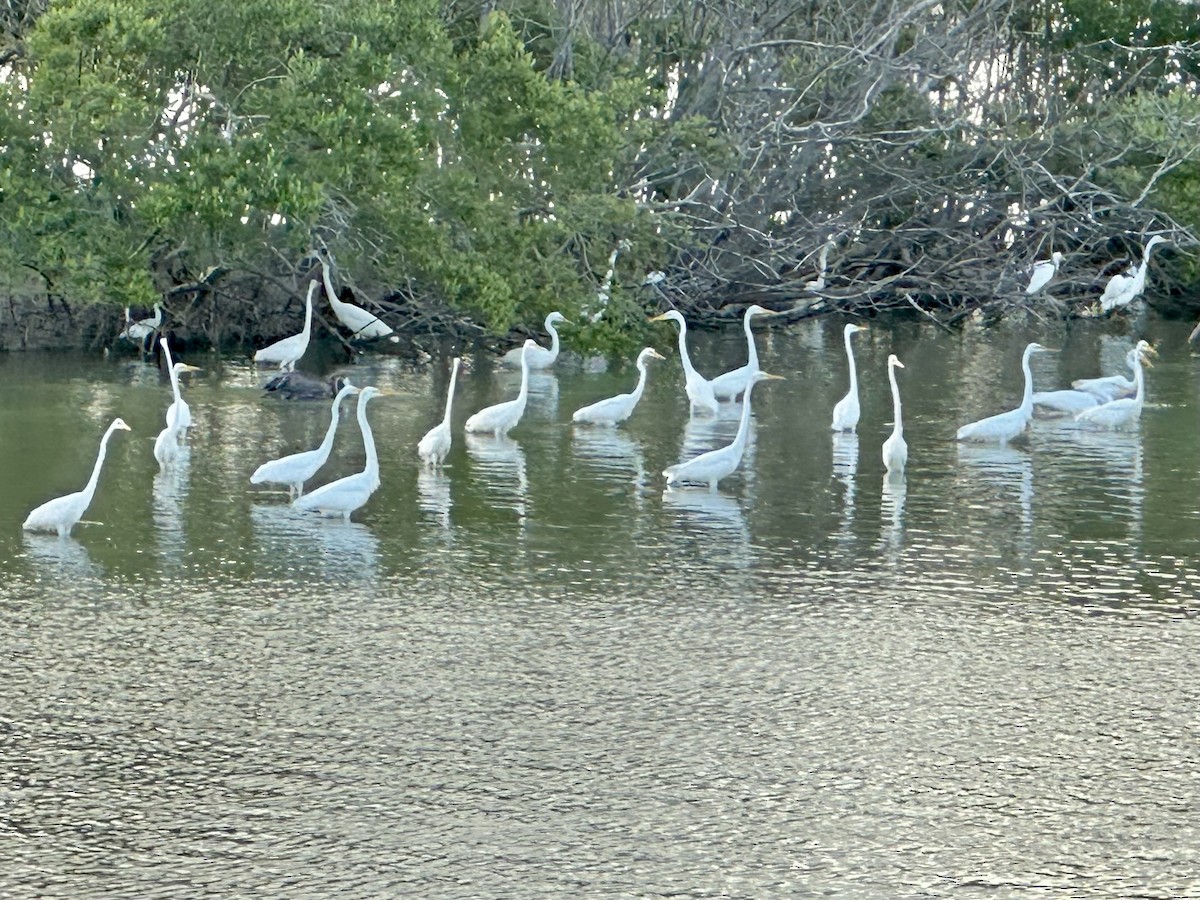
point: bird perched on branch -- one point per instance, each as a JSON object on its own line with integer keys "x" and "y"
{"x": 1122, "y": 290}
{"x": 1043, "y": 271}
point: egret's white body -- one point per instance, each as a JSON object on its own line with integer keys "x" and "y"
{"x": 1043, "y": 272}
{"x": 61, "y": 513}
{"x": 1113, "y": 387}
{"x": 344, "y": 496}
{"x": 1003, "y": 427}
{"x": 1064, "y": 401}
{"x": 361, "y": 324}
{"x": 1122, "y": 290}
{"x": 296, "y": 468}
{"x": 179, "y": 414}
{"x": 895, "y": 450}
{"x": 846, "y": 412}
{"x": 288, "y": 351}
{"x": 539, "y": 357}
{"x": 732, "y": 383}
{"x": 140, "y": 329}
{"x": 1122, "y": 413}
{"x": 699, "y": 389}
{"x": 614, "y": 410}
{"x": 432, "y": 448}
{"x": 503, "y": 417}
{"x": 709, "y": 468}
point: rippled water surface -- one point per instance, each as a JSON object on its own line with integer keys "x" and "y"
{"x": 539, "y": 674}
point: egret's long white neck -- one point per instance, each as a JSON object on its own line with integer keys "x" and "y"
{"x": 850, "y": 360}
{"x": 308, "y": 307}
{"x": 90, "y": 489}
{"x": 684, "y": 359}
{"x": 897, "y": 422}
{"x": 1027, "y": 398}
{"x": 752, "y": 351}
{"x": 1139, "y": 378}
{"x": 743, "y": 432}
{"x": 174, "y": 380}
{"x": 523, "y": 394}
{"x": 641, "y": 382}
{"x": 450, "y": 392}
{"x": 334, "y": 416}
{"x": 553, "y": 339}
{"x": 372, "y": 467}
{"x": 334, "y": 300}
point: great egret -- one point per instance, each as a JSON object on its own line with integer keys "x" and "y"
{"x": 179, "y": 414}
{"x": 298, "y": 386}
{"x": 846, "y": 412}
{"x": 288, "y": 350}
{"x": 432, "y": 448}
{"x": 296, "y": 468}
{"x": 714, "y": 465}
{"x": 699, "y": 389}
{"x": 1113, "y": 387}
{"x": 1122, "y": 290}
{"x": 539, "y": 357}
{"x": 1003, "y": 427}
{"x": 61, "y": 513}
{"x": 1125, "y": 412}
{"x": 615, "y": 410}
{"x": 1065, "y": 402}
{"x": 1043, "y": 272}
{"x": 360, "y": 323}
{"x": 895, "y": 450}
{"x": 818, "y": 284}
{"x": 344, "y": 496}
{"x": 503, "y": 417}
{"x": 138, "y": 330}
{"x": 732, "y": 383}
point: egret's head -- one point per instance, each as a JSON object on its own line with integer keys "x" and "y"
{"x": 181, "y": 367}
{"x": 1154, "y": 241}
{"x": 1145, "y": 348}
{"x": 555, "y": 317}
{"x": 893, "y": 361}
{"x": 345, "y": 388}
{"x": 119, "y": 425}
{"x": 760, "y": 375}
{"x": 673, "y": 315}
{"x": 757, "y": 310}
{"x": 649, "y": 353}
{"x": 1035, "y": 347}
{"x": 1056, "y": 257}
{"x": 852, "y": 328}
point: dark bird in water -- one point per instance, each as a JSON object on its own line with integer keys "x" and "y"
{"x": 298, "y": 386}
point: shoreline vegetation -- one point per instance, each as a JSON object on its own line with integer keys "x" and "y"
{"x": 472, "y": 170}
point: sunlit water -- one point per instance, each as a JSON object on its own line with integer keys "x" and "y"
{"x": 539, "y": 674}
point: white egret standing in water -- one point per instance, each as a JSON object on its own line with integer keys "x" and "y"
{"x": 296, "y": 468}
{"x": 432, "y": 448}
{"x": 714, "y": 465}
{"x": 287, "y": 351}
{"x": 1113, "y": 387}
{"x": 360, "y": 323}
{"x": 1043, "y": 272}
{"x": 344, "y": 496}
{"x": 846, "y": 412}
{"x": 699, "y": 389}
{"x": 1003, "y": 427}
{"x": 61, "y": 513}
{"x": 895, "y": 450}
{"x": 615, "y": 410}
{"x": 539, "y": 357}
{"x": 503, "y": 417}
{"x": 1125, "y": 412}
{"x": 1122, "y": 290}
{"x": 732, "y": 383}
{"x": 179, "y": 414}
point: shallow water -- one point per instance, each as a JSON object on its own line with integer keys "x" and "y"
{"x": 539, "y": 674}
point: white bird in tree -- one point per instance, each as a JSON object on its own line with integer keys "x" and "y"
{"x": 344, "y": 496}
{"x": 287, "y": 351}
{"x": 818, "y": 284}
{"x": 614, "y": 410}
{"x": 1122, "y": 290}
{"x": 361, "y": 324}
{"x": 137, "y": 330}
{"x": 1043, "y": 272}
{"x": 501, "y": 418}
{"x": 895, "y": 450}
{"x": 61, "y": 513}
{"x": 846, "y": 412}
{"x": 709, "y": 468}
{"x": 296, "y": 468}
{"x": 732, "y": 383}
{"x": 179, "y": 414}
{"x": 699, "y": 389}
{"x": 1003, "y": 427}
{"x": 1113, "y": 387}
{"x": 1125, "y": 412}
{"x": 539, "y": 357}
{"x": 432, "y": 448}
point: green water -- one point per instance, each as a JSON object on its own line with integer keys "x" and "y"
{"x": 537, "y": 673}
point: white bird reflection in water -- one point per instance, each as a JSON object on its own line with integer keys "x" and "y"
{"x": 170, "y": 492}
{"x": 891, "y": 508}
{"x": 1115, "y": 459}
{"x": 609, "y": 451}
{"x": 334, "y": 549}
{"x": 714, "y": 517}
{"x": 1005, "y": 471}
{"x": 433, "y": 495}
{"x": 845, "y": 470}
{"x": 499, "y": 464}
{"x": 59, "y": 558}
